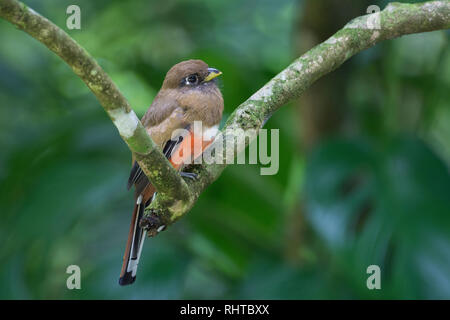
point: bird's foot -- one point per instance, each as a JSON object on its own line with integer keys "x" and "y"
{"x": 152, "y": 223}
{"x": 190, "y": 175}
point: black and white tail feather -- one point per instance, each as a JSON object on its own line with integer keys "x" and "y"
{"x": 137, "y": 243}
{"x": 137, "y": 234}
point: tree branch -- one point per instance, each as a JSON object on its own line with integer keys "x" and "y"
{"x": 162, "y": 175}
{"x": 394, "y": 21}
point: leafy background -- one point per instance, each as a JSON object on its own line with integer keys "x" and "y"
{"x": 372, "y": 187}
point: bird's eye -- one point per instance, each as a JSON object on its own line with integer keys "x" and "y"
{"x": 192, "y": 79}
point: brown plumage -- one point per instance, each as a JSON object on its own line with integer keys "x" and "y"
{"x": 189, "y": 93}
{"x": 177, "y": 105}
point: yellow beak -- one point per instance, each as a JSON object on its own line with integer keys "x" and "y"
{"x": 212, "y": 73}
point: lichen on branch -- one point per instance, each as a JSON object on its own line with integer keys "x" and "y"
{"x": 159, "y": 171}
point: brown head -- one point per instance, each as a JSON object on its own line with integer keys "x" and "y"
{"x": 190, "y": 89}
{"x": 189, "y": 73}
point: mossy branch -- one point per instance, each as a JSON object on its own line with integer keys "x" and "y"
{"x": 163, "y": 176}
{"x": 175, "y": 196}
{"x": 361, "y": 33}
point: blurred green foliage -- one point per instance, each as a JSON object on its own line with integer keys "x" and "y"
{"x": 377, "y": 193}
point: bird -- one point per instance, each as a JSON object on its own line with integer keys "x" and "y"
{"x": 189, "y": 94}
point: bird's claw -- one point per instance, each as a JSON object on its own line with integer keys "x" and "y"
{"x": 152, "y": 223}
{"x": 190, "y": 175}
